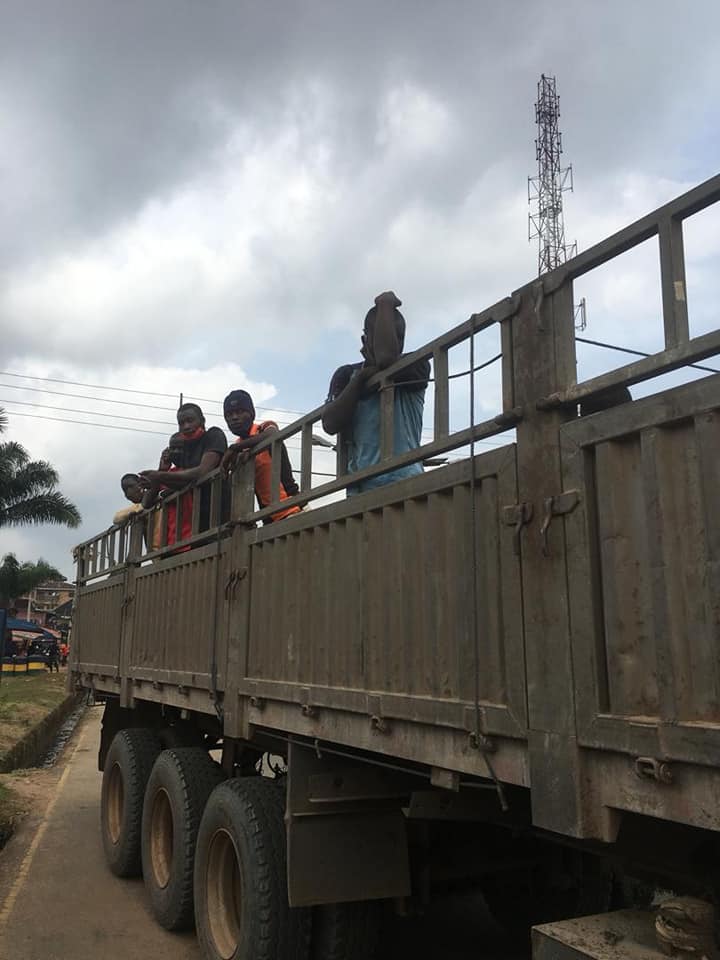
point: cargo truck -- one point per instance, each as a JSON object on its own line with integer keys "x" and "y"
{"x": 503, "y": 673}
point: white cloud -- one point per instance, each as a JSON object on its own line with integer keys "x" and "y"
{"x": 218, "y": 205}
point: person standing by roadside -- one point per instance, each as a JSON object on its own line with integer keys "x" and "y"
{"x": 53, "y": 655}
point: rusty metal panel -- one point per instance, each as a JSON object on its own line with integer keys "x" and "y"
{"x": 644, "y": 574}
{"x": 97, "y": 624}
{"x": 379, "y": 601}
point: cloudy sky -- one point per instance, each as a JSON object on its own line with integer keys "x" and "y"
{"x": 201, "y": 196}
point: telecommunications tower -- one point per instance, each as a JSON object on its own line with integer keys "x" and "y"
{"x": 546, "y": 189}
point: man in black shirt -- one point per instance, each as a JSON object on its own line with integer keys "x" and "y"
{"x": 198, "y": 452}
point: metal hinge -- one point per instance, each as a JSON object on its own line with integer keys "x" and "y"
{"x": 517, "y": 515}
{"x": 234, "y": 578}
{"x": 556, "y": 506}
{"x": 126, "y": 602}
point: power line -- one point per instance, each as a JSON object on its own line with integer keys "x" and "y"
{"x": 149, "y": 393}
{"x": 157, "y": 433}
{"x": 86, "y": 423}
{"x": 638, "y": 353}
{"x": 110, "y": 426}
{"x": 147, "y": 406}
{"x": 83, "y": 396}
{"x": 95, "y": 413}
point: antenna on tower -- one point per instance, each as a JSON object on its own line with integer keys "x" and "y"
{"x": 545, "y": 221}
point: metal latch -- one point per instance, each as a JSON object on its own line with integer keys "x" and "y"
{"x": 648, "y": 768}
{"x": 518, "y": 515}
{"x": 234, "y": 578}
{"x": 556, "y": 507}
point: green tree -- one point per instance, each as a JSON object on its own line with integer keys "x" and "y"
{"x": 18, "y": 579}
{"x": 27, "y": 489}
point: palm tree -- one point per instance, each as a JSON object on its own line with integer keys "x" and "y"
{"x": 19, "y": 579}
{"x": 27, "y": 489}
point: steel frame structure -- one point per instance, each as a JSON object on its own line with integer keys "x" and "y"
{"x": 545, "y": 221}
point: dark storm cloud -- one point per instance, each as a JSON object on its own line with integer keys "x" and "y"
{"x": 111, "y": 110}
{"x": 111, "y": 104}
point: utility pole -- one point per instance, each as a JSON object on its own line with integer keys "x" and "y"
{"x": 545, "y": 221}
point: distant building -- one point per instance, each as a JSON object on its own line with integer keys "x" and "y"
{"x": 47, "y": 602}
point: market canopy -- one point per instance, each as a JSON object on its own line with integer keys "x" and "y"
{"x": 26, "y": 626}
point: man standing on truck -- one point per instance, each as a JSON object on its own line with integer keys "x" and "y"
{"x": 239, "y": 411}
{"x": 354, "y": 411}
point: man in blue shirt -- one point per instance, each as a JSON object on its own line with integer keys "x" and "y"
{"x": 354, "y": 411}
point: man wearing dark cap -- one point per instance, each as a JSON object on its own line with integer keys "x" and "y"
{"x": 354, "y": 412}
{"x": 239, "y": 413}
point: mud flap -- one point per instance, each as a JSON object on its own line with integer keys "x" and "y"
{"x": 346, "y": 830}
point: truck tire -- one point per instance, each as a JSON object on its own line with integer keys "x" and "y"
{"x": 128, "y": 764}
{"x": 346, "y": 931}
{"x": 177, "y": 790}
{"x": 241, "y": 904}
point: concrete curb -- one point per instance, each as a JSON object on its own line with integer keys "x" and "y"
{"x": 36, "y": 742}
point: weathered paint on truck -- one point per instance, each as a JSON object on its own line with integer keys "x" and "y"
{"x": 542, "y": 616}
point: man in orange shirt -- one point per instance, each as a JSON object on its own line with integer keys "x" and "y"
{"x": 239, "y": 413}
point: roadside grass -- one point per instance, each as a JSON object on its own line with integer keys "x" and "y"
{"x": 24, "y": 701}
{"x": 10, "y": 810}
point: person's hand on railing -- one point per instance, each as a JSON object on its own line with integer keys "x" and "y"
{"x": 233, "y": 457}
{"x": 366, "y": 371}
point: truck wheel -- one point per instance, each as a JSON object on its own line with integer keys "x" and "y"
{"x": 346, "y": 931}
{"x": 177, "y": 790}
{"x": 127, "y": 768}
{"x": 241, "y": 905}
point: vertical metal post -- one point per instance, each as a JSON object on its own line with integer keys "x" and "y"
{"x": 672, "y": 277}
{"x": 442, "y": 393}
{"x": 235, "y": 723}
{"x": 275, "y": 468}
{"x": 544, "y": 363}
{"x": 306, "y": 457}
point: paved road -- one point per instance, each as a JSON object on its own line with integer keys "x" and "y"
{"x": 64, "y": 904}
{"x": 59, "y": 901}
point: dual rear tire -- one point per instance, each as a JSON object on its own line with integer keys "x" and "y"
{"x": 241, "y": 905}
{"x": 177, "y": 790}
{"x": 151, "y": 806}
{"x": 128, "y": 765}
{"x": 213, "y": 851}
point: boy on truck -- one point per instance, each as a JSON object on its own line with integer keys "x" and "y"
{"x": 354, "y": 412}
{"x": 239, "y": 413}
{"x": 196, "y": 452}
